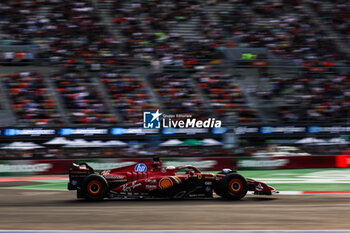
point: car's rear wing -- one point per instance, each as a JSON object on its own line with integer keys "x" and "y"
{"x": 77, "y": 172}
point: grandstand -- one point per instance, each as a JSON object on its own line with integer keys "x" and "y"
{"x": 104, "y": 62}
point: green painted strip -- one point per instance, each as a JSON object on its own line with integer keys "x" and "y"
{"x": 290, "y": 173}
{"x": 53, "y": 181}
{"x": 305, "y": 179}
{"x": 54, "y": 186}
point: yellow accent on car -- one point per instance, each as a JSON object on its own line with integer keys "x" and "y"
{"x": 177, "y": 178}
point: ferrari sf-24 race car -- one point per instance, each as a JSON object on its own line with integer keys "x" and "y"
{"x": 150, "y": 179}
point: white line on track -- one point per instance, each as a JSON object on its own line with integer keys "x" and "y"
{"x": 290, "y": 193}
{"x": 303, "y": 181}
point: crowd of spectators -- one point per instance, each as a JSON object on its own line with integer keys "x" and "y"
{"x": 146, "y": 26}
{"x": 158, "y": 15}
{"x": 21, "y": 24}
{"x": 283, "y": 27}
{"x": 312, "y": 97}
{"x": 70, "y": 32}
{"x": 212, "y": 30}
{"x": 32, "y": 102}
{"x": 78, "y": 34}
{"x": 177, "y": 94}
{"x": 82, "y": 100}
{"x": 335, "y": 13}
{"x": 128, "y": 95}
{"x": 227, "y": 99}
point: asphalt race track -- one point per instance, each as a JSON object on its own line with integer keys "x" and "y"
{"x": 59, "y": 210}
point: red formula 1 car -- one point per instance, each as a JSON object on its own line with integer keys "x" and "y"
{"x": 149, "y": 179}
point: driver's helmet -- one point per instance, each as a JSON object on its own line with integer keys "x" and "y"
{"x": 170, "y": 168}
{"x": 156, "y": 165}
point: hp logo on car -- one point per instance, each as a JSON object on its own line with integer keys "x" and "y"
{"x": 140, "y": 167}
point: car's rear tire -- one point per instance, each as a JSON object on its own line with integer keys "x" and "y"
{"x": 94, "y": 187}
{"x": 233, "y": 186}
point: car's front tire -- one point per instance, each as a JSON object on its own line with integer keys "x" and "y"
{"x": 233, "y": 186}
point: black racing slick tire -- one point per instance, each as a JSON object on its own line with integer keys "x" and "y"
{"x": 219, "y": 189}
{"x": 94, "y": 187}
{"x": 233, "y": 186}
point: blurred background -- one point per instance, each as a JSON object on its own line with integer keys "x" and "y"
{"x": 76, "y": 77}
